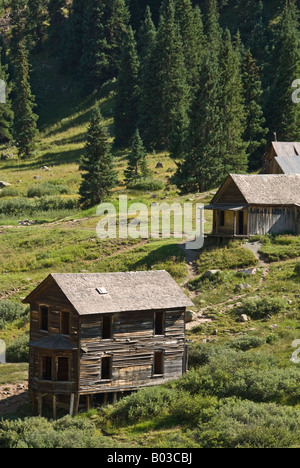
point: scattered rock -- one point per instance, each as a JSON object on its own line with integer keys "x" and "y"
{"x": 26, "y": 222}
{"x": 242, "y": 287}
{"x": 244, "y": 318}
{"x": 248, "y": 271}
{"x": 4, "y": 184}
{"x": 210, "y": 273}
{"x": 190, "y": 316}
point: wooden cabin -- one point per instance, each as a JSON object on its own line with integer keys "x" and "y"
{"x": 104, "y": 334}
{"x": 248, "y": 205}
{"x": 282, "y": 158}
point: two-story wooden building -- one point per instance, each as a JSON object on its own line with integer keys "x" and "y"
{"x": 96, "y": 334}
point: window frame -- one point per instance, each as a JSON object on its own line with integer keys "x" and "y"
{"x": 162, "y": 327}
{"x": 161, "y": 365}
{"x": 41, "y": 318}
{"x": 110, "y": 369}
{"x": 111, "y": 323}
{"x": 62, "y": 313}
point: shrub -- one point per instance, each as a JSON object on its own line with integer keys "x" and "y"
{"x": 297, "y": 269}
{"x": 11, "y": 311}
{"x": 191, "y": 409}
{"x": 18, "y": 350}
{"x": 244, "y": 424}
{"x": 46, "y": 189}
{"x": 144, "y": 404}
{"x": 147, "y": 184}
{"x": 244, "y": 343}
{"x": 41, "y": 433}
{"x": 25, "y": 206}
{"x": 259, "y": 308}
{"x": 10, "y": 192}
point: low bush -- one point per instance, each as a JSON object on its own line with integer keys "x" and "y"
{"x": 25, "y": 206}
{"x": 11, "y": 311}
{"x": 46, "y": 189}
{"x": 260, "y": 308}
{"x": 244, "y": 424}
{"x": 297, "y": 270}
{"x": 244, "y": 343}
{"x": 18, "y": 350}
{"x": 144, "y": 404}
{"x": 41, "y": 433}
{"x": 147, "y": 184}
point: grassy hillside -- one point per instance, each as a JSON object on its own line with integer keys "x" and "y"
{"x": 240, "y": 370}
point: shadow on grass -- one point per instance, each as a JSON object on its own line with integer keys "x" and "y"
{"x": 160, "y": 255}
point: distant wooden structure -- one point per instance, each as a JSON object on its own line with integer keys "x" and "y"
{"x": 282, "y": 158}
{"x": 248, "y": 205}
{"x": 101, "y": 334}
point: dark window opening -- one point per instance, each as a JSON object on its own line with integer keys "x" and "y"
{"x": 65, "y": 323}
{"x": 44, "y": 311}
{"x": 241, "y": 222}
{"x": 63, "y": 369}
{"x": 106, "y": 368}
{"x": 159, "y": 323}
{"x": 107, "y": 329}
{"x": 222, "y": 219}
{"x": 47, "y": 368}
{"x": 158, "y": 366}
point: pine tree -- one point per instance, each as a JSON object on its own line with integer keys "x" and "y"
{"x": 202, "y": 168}
{"x": 6, "y": 113}
{"x": 192, "y": 33}
{"x": 232, "y": 108}
{"x": 104, "y": 30}
{"x": 170, "y": 91}
{"x": 283, "y": 114}
{"x": 148, "y": 78}
{"x": 99, "y": 176}
{"x": 255, "y": 132}
{"x": 137, "y": 163}
{"x": 127, "y": 94}
{"x": 35, "y": 20}
{"x": 72, "y": 52}
{"x": 25, "y": 120}
{"x": 57, "y": 24}
{"x": 17, "y": 24}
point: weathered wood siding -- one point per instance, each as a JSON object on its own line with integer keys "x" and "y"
{"x": 56, "y": 302}
{"x": 132, "y": 350}
{"x": 273, "y": 220}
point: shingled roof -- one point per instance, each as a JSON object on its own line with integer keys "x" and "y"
{"x": 97, "y": 293}
{"x": 262, "y": 189}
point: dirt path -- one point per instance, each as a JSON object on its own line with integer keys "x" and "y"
{"x": 12, "y": 396}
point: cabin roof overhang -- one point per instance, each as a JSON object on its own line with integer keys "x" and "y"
{"x": 225, "y": 207}
{"x": 54, "y": 343}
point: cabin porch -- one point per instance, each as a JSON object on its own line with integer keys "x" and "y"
{"x": 229, "y": 221}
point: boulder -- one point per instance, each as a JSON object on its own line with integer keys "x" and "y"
{"x": 190, "y": 316}
{"x": 210, "y": 273}
{"x": 4, "y": 184}
{"x": 244, "y": 318}
{"x": 248, "y": 271}
{"x": 242, "y": 287}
